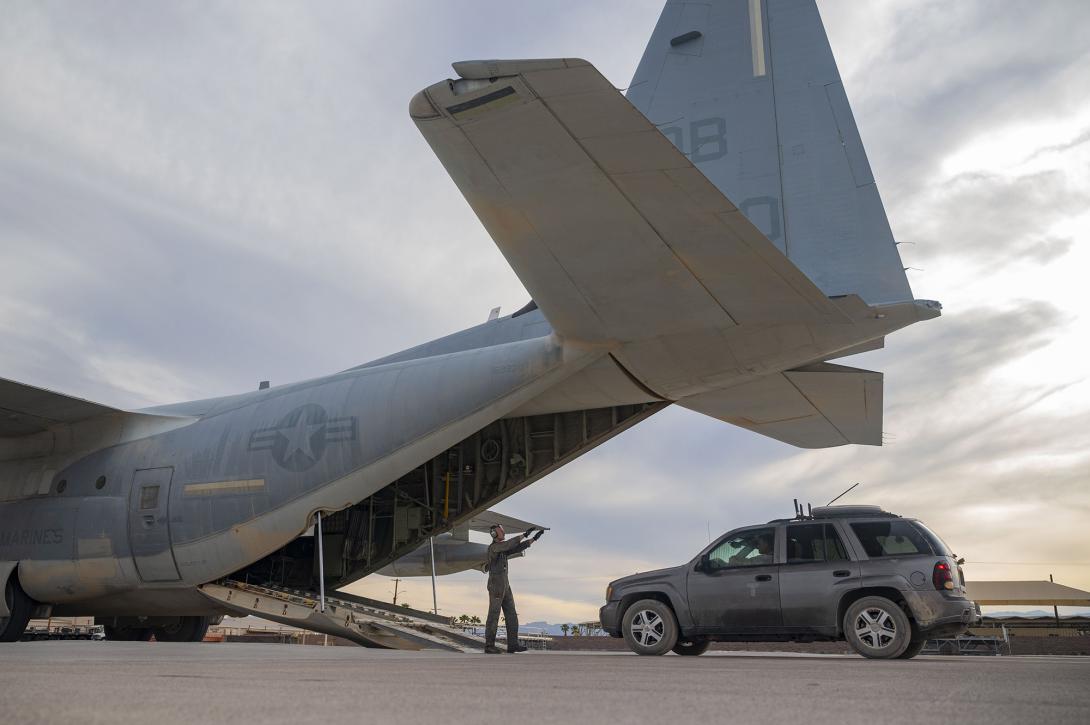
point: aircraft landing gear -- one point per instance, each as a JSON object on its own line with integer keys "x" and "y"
{"x": 188, "y": 629}
{"x": 127, "y": 634}
{"x": 164, "y": 629}
{"x": 20, "y": 607}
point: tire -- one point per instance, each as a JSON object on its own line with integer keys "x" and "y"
{"x": 691, "y": 647}
{"x": 913, "y": 649}
{"x": 649, "y": 627}
{"x": 189, "y": 629}
{"x": 127, "y": 634}
{"x": 877, "y": 628}
{"x": 20, "y": 607}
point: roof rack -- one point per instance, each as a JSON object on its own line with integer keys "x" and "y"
{"x": 853, "y": 511}
{"x": 808, "y": 513}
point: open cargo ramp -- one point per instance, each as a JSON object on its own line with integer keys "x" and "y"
{"x": 364, "y": 621}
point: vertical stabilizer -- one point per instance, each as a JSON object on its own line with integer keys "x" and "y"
{"x": 750, "y": 92}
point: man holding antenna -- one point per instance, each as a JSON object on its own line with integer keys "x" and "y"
{"x": 499, "y": 588}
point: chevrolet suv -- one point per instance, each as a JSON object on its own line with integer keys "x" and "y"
{"x": 884, "y": 583}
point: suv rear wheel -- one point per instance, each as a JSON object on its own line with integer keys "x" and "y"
{"x": 877, "y": 628}
{"x": 692, "y": 647}
{"x": 649, "y": 627}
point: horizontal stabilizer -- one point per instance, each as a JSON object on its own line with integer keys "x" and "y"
{"x": 487, "y": 519}
{"x": 614, "y": 232}
{"x": 818, "y": 406}
{"x": 25, "y": 409}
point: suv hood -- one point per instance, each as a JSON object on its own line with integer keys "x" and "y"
{"x": 646, "y": 577}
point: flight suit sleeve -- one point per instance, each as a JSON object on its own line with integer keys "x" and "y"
{"x": 508, "y": 545}
{"x": 523, "y": 546}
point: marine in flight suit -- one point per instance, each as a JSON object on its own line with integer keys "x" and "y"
{"x": 499, "y": 588}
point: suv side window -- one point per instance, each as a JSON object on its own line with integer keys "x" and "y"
{"x": 890, "y": 538}
{"x": 814, "y": 542}
{"x": 748, "y": 548}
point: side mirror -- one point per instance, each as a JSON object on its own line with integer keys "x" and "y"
{"x": 704, "y": 564}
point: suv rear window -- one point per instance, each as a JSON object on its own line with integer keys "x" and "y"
{"x": 937, "y": 544}
{"x": 891, "y": 538}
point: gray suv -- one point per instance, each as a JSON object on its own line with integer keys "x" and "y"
{"x": 884, "y": 583}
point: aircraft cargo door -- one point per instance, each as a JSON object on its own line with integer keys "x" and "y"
{"x": 149, "y": 525}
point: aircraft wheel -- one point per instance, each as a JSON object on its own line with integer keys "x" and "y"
{"x": 127, "y": 634}
{"x": 188, "y": 629}
{"x": 20, "y": 606}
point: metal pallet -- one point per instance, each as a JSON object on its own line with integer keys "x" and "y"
{"x": 365, "y": 621}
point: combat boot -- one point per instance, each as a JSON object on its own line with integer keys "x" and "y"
{"x": 492, "y": 650}
{"x": 516, "y": 649}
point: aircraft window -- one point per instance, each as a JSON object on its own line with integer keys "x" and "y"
{"x": 149, "y": 497}
{"x": 100, "y": 483}
{"x": 814, "y": 542}
{"x": 61, "y": 485}
{"x": 749, "y": 548}
{"x": 890, "y": 538}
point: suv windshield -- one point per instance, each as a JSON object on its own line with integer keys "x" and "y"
{"x": 891, "y": 538}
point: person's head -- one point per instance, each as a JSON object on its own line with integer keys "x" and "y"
{"x": 497, "y": 532}
{"x": 764, "y": 544}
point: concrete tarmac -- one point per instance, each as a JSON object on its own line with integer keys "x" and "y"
{"x": 183, "y": 684}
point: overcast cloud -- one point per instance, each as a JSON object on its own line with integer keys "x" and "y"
{"x": 198, "y": 196}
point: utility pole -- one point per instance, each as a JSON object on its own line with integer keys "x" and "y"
{"x": 395, "y": 590}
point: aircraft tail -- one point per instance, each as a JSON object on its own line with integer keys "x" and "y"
{"x": 750, "y": 92}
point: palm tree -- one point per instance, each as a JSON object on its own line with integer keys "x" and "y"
{"x": 564, "y": 629}
{"x": 464, "y": 619}
{"x": 575, "y": 630}
{"x": 474, "y": 619}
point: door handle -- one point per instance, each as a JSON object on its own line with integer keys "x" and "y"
{"x": 763, "y": 577}
{"x": 842, "y": 572}
{"x": 149, "y": 521}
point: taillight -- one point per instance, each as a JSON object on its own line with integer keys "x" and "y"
{"x": 942, "y": 577}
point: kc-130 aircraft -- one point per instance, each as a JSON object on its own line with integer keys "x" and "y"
{"x": 711, "y": 239}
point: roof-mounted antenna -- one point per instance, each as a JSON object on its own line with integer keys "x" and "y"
{"x": 849, "y": 488}
{"x": 810, "y": 510}
{"x": 797, "y": 510}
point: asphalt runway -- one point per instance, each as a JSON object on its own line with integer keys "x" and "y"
{"x": 164, "y": 684}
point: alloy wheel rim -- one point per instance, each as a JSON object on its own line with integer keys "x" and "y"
{"x": 876, "y": 628}
{"x": 647, "y": 628}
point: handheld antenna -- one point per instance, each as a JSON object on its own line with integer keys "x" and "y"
{"x": 796, "y": 506}
{"x": 810, "y": 510}
{"x": 849, "y": 488}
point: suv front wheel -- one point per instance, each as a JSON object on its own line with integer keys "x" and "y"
{"x": 877, "y": 628}
{"x": 649, "y": 627}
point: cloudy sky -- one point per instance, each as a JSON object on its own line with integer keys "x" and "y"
{"x": 198, "y": 196}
